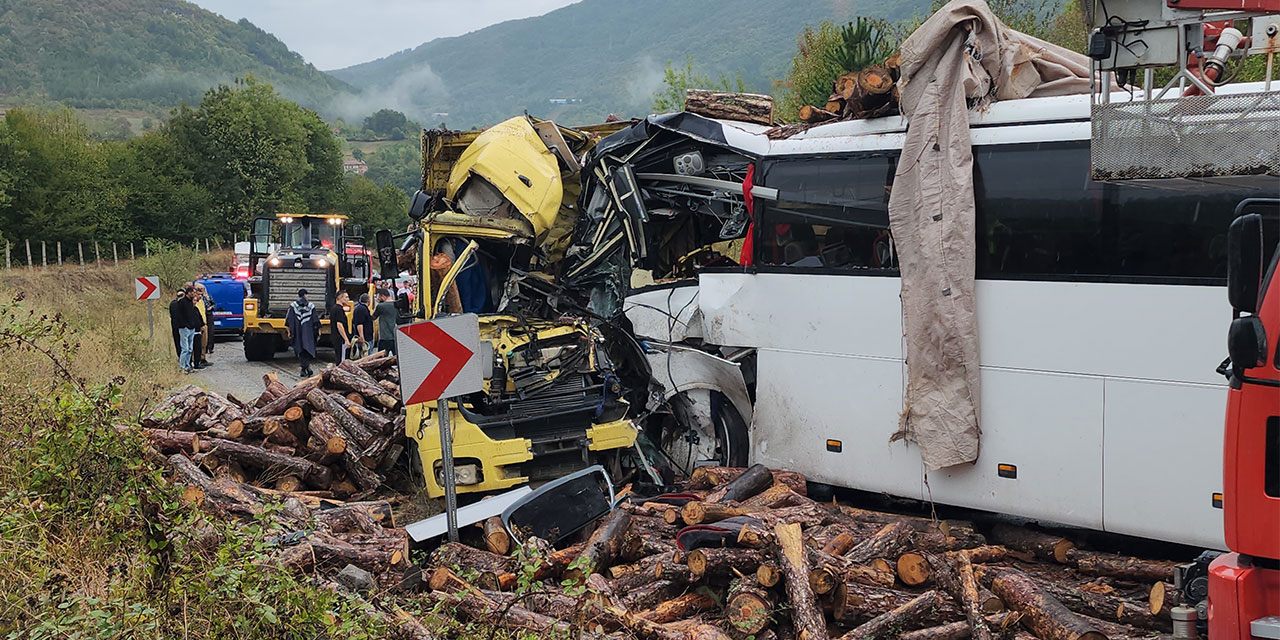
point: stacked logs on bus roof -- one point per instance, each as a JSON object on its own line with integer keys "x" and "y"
{"x": 746, "y": 553}
{"x": 858, "y": 94}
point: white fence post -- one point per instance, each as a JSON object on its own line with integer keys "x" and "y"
{"x": 44, "y": 255}
{"x": 80, "y": 250}
{"x": 29, "y": 264}
{"x": 115, "y": 257}
{"x": 59, "y": 253}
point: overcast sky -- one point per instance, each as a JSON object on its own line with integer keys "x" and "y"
{"x": 339, "y": 33}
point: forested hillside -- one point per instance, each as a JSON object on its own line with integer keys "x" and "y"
{"x": 607, "y": 54}
{"x": 109, "y": 53}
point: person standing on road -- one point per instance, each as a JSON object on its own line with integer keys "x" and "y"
{"x": 175, "y": 321}
{"x": 189, "y": 325}
{"x": 386, "y": 314}
{"x": 304, "y": 329}
{"x": 339, "y": 330}
{"x": 202, "y": 338}
{"x": 362, "y": 325}
{"x": 208, "y": 313}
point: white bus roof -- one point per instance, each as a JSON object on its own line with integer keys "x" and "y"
{"x": 1040, "y": 119}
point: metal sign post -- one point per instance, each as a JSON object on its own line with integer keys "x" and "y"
{"x": 446, "y": 464}
{"x": 440, "y": 359}
{"x": 151, "y": 319}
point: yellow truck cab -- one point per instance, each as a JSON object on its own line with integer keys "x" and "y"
{"x": 317, "y": 252}
{"x": 495, "y": 215}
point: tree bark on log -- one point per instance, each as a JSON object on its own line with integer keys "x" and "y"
{"x": 650, "y": 595}
{"x": 840, "y": 544}
{"x": 456, "y": 554}
{"x": 888, "y": 542}
{"x": 853, "y": 601}
{"x": 352, "y": 378}
{"x": 748, "y": 607}
{"x": 960, "y": 630}
{"x": 173, "y": 441}
{"x": 1043, "y": 545}
{"x": 743, "y": 107}
{"x": 790, "y": 555}
{"x": 1043, "y": 614}
{"x": 356, "y": 432}
{"x": 1117, "y": 566}
{"x": 720, "y": 563}
{"x": 374, "y": 421}
{"x": 708, "y": 477}
{"x": 178, "y": 411}
{"x": 311, "y": 473}
{"x": 601, "y": 548}
{"x": 298, "y": 392}
{"x": 814, "y": 115}
{"x": 755, "y": 479}
{"x": 685, "y": 606}
{"x": 891, "y": 624}
{"x": 954, "y": 574}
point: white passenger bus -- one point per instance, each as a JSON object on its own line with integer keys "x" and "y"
{"x": 1100, "y": 313}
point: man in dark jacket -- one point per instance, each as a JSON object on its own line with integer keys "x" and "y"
{"x": 339, "y": 331}
{"x": 189, "y": 324}
{"x": 304, "y": 329}
{"x": 174, "y": 321}
{"x": 362, "y": 326}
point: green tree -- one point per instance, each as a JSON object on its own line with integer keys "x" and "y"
{"x": 375, "y": 206}
{"x": 256, "y": 153}
{"x": 385, "y": 121}
{"x": 670, "y": 97}
{"x": 817, "y": 63}
{"x": 397, "y": 164}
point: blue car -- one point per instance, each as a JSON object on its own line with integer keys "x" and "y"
{"x": 227, "y": 295}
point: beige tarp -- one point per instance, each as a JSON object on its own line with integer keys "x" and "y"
{"x": 961, "y": 55}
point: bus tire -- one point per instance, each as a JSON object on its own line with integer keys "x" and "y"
{"x": 731, "y": 439}
{"x": 259, "y": 347}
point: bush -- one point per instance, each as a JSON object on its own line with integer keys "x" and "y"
{"x": 174, "y": 263}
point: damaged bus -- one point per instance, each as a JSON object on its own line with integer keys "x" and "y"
{"x": 1098, "y": 304}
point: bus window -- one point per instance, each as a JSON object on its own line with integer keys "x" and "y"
{"x": 1040, "y": 216}
{"x": 831, "y": 213}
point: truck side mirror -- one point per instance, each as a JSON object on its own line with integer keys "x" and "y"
{"x": 387, "y": 255}
{"x": 1244, "y": 263}
{"x": 419, "y": 205}
{"x": 1247, "y": 343}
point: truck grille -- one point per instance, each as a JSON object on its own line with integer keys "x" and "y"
{"x": 282, "y": 284}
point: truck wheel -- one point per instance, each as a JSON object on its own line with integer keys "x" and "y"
{"x": 259, "y": 346}
{"x": 704, "y": 428}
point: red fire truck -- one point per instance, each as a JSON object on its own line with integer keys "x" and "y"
{"x": 1244, "y": 585}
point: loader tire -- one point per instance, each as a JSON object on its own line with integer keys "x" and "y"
{"x": 259, "y": 346}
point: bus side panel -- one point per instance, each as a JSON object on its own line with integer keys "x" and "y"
{"x": 852, "y": 400}
{"x": 1049, "y": 427}
{"x": 837, "y": 314}
{"x": 1160, "y": 470}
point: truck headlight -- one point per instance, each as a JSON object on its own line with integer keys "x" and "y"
{"x": 322, "y": 263}
{"x": 275, "y": 262}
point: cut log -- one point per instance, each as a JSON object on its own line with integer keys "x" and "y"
{"x": 852, "y": 601}
{"x": 846, "y": 85}
{"x": 755, "y": 479}
{"x": 496, "y": 538}
{"x": 353, "y": 518}
{"x": 376, "y": 422}
{"x": 601, "y": 548}
{"x": 839, "y": 544}
{"x": 355, "y": 398}
{"x": 720, "y": 563}
{"x": 257, "y": 457}
{"x": 768, "y": 575}
{"x": 1161, "y": 598}
{"x": 954, "y": 573}
{"x": 178, "y": 411}
{"x": 743, "y": 107}
{"x": 1004, "y": 623}
{"x": 276, "y": 431}
{"x": 1103, "y": 606}
{"x": 789, "y": 553}
{"x": 708, "y": 477}
{"x": 650, "y": 595}
{"x": 1043, "y": 614}
{"x": 350, "y": 377}
{"x": 835, "y": 103}
{"x": 326, "y": 429}
{"x": 377, "y": 451}
{"x": 231, "y": 470}
{"x": 252, "y": 427}
{"x": 172, "y": 441}
{"x": 696, "y": 512}
{"x": 913, "y": 569}
{"x": 356, "y": 432}
{"x": 888, "y": 542}
{"x": 916, "y": 613}
{"x": 1043, "y": 545}
{"x": 830, "y": 570}
{"x": 748, "y": 607}
{"x": 298, "y": 392}
{"x": 685, "y": 606}
{"x": 893, "y": 64}
{"x": 991, "y": 603}
{"x": 874, "y": 80}
{"x": 1117, "y": 566}
{"x": 813, "y": 115}
{"x": 463, "y": 557}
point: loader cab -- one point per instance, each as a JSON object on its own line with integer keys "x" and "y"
{"x": 321, "y": 253}
{"x": 1244, "y": 585}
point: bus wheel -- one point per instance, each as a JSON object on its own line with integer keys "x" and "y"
{"x": 259, "y": 346}
{"x": 703, "y": 429}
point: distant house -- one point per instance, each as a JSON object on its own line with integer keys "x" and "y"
{"x": 355, "y": 166}
{"x": 564, "y": 100}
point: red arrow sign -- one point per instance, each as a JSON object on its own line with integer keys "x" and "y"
{"x": 453, "y": 357}
{"x": 146, "y": 288}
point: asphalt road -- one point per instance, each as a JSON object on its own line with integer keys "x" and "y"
{"x": 231, "y": 373}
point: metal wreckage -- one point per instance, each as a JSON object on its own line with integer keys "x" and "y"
{"x": 570, "y": 244}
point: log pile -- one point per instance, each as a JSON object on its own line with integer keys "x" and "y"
{"x": 786, "y": 566}
{"x": 334, "y": 435}
{"x": 855, "y": 95}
